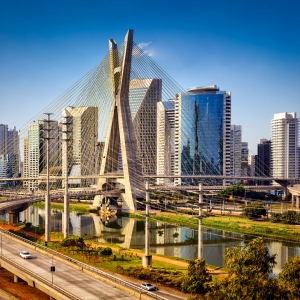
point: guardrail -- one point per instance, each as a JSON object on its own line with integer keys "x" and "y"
{"x": 38, "y": 277}
{"x": 85, "y": 266}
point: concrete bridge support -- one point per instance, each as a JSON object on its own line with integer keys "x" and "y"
{"x": 293, "y": 201}
{"x": 13, "y": 216}
{"x": 297, "y": 202}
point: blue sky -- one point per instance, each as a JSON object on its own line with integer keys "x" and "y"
{"x": 249, "y": 48}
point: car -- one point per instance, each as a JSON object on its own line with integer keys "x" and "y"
{"x": 25, "y": 254}
{"x": 148, "y": 286}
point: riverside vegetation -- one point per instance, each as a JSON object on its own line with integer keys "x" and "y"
{"x": 248, "y": 269}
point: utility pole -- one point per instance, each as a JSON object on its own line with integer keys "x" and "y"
{"x": 200, "y": 231}
{"x": 66, "y": 196}
{"x": 47, "y": 197}
{"x": 147, "y": 258}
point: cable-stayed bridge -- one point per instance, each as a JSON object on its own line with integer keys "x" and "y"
{"x": 123, "y": 123}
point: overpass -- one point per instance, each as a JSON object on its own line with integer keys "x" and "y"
{"x": 295, "y": 192}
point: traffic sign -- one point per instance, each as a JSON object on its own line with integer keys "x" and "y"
{"x": 52, "y": 268}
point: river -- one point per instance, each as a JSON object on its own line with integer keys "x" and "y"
{"x": 166, "y": 239}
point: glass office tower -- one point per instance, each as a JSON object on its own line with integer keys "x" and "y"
{"x": 202, "y": 133}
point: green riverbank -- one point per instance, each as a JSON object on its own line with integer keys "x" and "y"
{"x": 73, "y": 207}
{"x": 267, "y": 229}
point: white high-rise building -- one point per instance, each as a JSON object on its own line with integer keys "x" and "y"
{"x": 236, "y": 150}
{"x": 37, "y": 149}
{"x": 285, "y": 145}
{"x": 165, "y": 140}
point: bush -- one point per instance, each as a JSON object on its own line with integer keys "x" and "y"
{"x": 28, "y": 224}
{"x": 288, "y": 217}
{"x": 254, "y": 211}
{"x": 275, "y": 217}
{"x": 106, "y": 251}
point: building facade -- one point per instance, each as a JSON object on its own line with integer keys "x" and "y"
{"x": 236, "y": 151}
{"x": 9, "y": 148}
{"x": 202, "y": 133}
{"x": 82, "y": 140}
{"x": 285, "y": 145}
{"x": 263, "y": 160}
{"x": 165, "y": 140}
{"x": 144, "y": 94}
{"x": 37, "y": 159}
{"x": 25, "y": 160}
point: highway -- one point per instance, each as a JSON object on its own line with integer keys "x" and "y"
{"x": 66, "y": 277}
{"x": 73, "y": 281}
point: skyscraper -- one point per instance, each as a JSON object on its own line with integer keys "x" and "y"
{"x": 263, "y": 160}
{"x": 285, "y": 145}
{"x": 9, "y": 148}
{"x": 251, "y": 164}
{"x": 165, "y": 140}
{"x": 144, "y": 94}
{"x": 37, "y": 149}
{"x": 13, "y": 153}
{"x": 82, "y": 142}
{"x": 202, "y": 132}
{"x": 3, "y": 139}
{"x": 236, "y": 151}
{"x": 244, "y": 159}
{"x": 25, "y": 160}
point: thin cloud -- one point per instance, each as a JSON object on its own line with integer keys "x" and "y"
{"x": 143, "y": 45}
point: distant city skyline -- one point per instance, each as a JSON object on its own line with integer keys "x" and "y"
{"x": 254, "y": 54}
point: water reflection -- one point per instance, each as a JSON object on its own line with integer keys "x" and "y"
{"x": 166, "y": 239}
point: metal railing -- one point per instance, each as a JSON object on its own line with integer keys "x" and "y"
{"x": 85, "y": 266}
{"x": 38, "y": 277}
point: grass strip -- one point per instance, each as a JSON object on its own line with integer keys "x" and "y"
{"x": 74, "y": 207}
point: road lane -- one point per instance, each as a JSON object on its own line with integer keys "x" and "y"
{"x": 72, "y": 280}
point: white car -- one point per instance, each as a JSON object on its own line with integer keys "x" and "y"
{"x": 25, "y": 254}
{"x": 148, "y": 286}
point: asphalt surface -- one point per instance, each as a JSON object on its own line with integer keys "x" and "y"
{"x": 72, "y": 280}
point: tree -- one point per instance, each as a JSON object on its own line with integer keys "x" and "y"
{"x": 197, "y": 279}
{"x": 254, "y": 211}
{"x": 252, "y": 258}
{"x": 235, "y": 190}
{"x": 249, "y": 267}
{"x": 290, "y": 276}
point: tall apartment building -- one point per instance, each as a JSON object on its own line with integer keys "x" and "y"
{"x": 3, "y": 139}
{"x": 244, "y": 159}
{"x": 37, "y": 162}
{"x": 202, "y": 133}
{"x": 165, "y": 140}
{"x": 9, "y": 148}
{"x": 263, "y": 160}
{"x": 3, "y": 171}
{"x": 144, "y": 94}
{"x": 13, "y": 153}
{"x": 25, "y": 160}
{"x": 236, "y": 151}
{"x": 83, "y": 132}
{"x": 285, "y": 145}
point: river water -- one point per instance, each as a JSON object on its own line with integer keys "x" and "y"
{"x": 166, "y": 239}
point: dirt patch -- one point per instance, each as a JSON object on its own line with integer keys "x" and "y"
{"x": 20, "y": 289}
